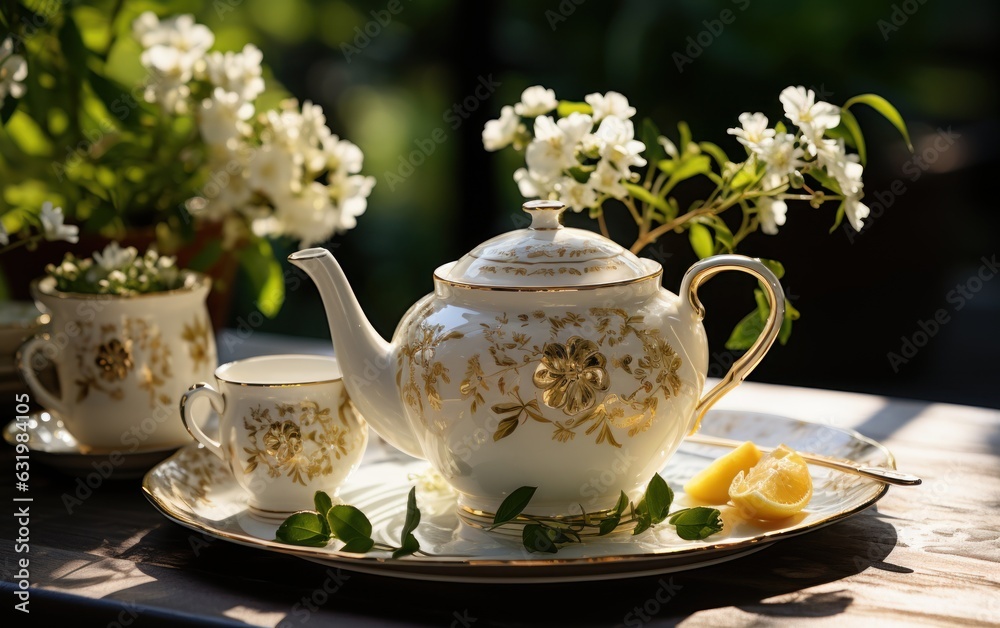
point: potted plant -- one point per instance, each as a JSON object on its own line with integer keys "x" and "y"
{"x": 147, "y": 132}
{"x": 129, "y": 334}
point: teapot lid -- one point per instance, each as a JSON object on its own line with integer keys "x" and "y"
{"x": 546, "y": 255}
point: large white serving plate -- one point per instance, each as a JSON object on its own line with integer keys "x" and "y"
{"x": 196, "y": 489}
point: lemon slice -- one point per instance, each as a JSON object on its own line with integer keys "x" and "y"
{"x": 778, "y": 486}
{"x": 711, "y": 484}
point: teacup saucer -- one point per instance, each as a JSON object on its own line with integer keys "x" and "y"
{"x": 51, "y": 443}
{"x": 196, "y": 490}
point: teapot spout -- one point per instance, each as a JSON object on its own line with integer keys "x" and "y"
{"x": 366, "y": 359}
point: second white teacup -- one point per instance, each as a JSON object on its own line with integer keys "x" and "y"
{"x": 286, "y": 429}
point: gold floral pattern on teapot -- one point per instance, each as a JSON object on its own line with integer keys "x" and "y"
{"x": 571, "y": 376}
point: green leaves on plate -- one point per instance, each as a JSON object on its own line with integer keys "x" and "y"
{"x": 513, "y": 505}
{"x": 304, "y": 528}
{"x": 348, "y": 523}
{"x": 316, "y": 528}
{"x": 407, "y": 542}
{"x": 546, "y": 535}
{"x": 695, "y": 524}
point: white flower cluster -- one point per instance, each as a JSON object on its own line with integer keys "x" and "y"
{"x": 783, "y": 154}
{"x": 580, "y": 159}
{"x": 283, "y": 171}
{"x": 298, "y": 148}
{"x": 13, "y": 71}
{"x": 117, "y": 270}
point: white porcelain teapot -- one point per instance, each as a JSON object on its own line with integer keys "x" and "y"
{"x": 547, "y": 357}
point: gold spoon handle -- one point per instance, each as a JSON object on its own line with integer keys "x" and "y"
{"x": 888, "y": 476}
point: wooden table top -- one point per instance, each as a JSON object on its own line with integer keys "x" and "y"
{"x": 928, "y": 555}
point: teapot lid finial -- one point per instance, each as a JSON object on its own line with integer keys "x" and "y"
{"x": 545, "y": 214}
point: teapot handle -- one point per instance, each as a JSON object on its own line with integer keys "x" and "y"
{"x": 704, "y": 270}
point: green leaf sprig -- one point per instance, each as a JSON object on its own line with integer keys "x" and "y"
{"x": 546, "y": 535}
{"x": 316, "y": 528}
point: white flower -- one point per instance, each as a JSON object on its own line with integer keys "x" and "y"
{"x": 223, "y": 118}
{"x": 846, "y": 169}
{"x": 13, "y": 71}
{"x": 273, "y": 172}
{"x": 319, "y": 211}
{"x": 531, "y": 186}
{"x": 535, "y": 101}
{"x": 608, "y": 179}
{"x": 501, "y": 132}
{"x": 182, "y": 33}
{"x": 578, "y": 196}
{"x": 227, "y": 188}
{"x": 855, "y": 211}
{"x": 350, "y": 198}
{"x": 316, "y": 138}
{"x": 53, "y": 227}
{"x": 814, "y": 118}
{"x": 191, "y": 38}
{"x": 115, "y": 277}
{"x": 610, "y": 104}
{"x": 302, "y": 134}
{"x": 554, "y": 147}
{"x": 754, "y": 130}
{"x": 849, "y": 176}
{"x": 617, "y": 144}
{"x": 314, "y": 129}
{"x": 343, "y": 157}
{"x": 170, "y": 74}
{"x": 306, "y": 216}
{"x": 780, "y": 154}
{"x": 172, "y": 49}
{"x": 115, "y": 257}
{"x": 771, "y": 212}
{"x": 146, "y": 30}
{"x": 347, "y": 190}
{"x": 237, "y": 72}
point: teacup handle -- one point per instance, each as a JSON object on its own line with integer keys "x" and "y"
{"x": 704, "y": 270}
{"x": 218, "y": 402}
{"x": 25, "y": 357}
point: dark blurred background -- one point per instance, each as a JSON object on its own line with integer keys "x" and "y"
{"x": 934, "y": 212}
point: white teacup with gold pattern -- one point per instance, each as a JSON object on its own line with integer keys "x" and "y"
{"x": 286, "y": 429}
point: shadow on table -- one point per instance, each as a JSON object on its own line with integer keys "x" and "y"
{"x": 267, "y": 583}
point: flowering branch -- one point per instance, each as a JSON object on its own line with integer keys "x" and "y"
{"x": 286, "y": 173}
{"x": 50, "y": 225}
{"x": 587, "y": 155}
{"x": 187, "y": 144}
